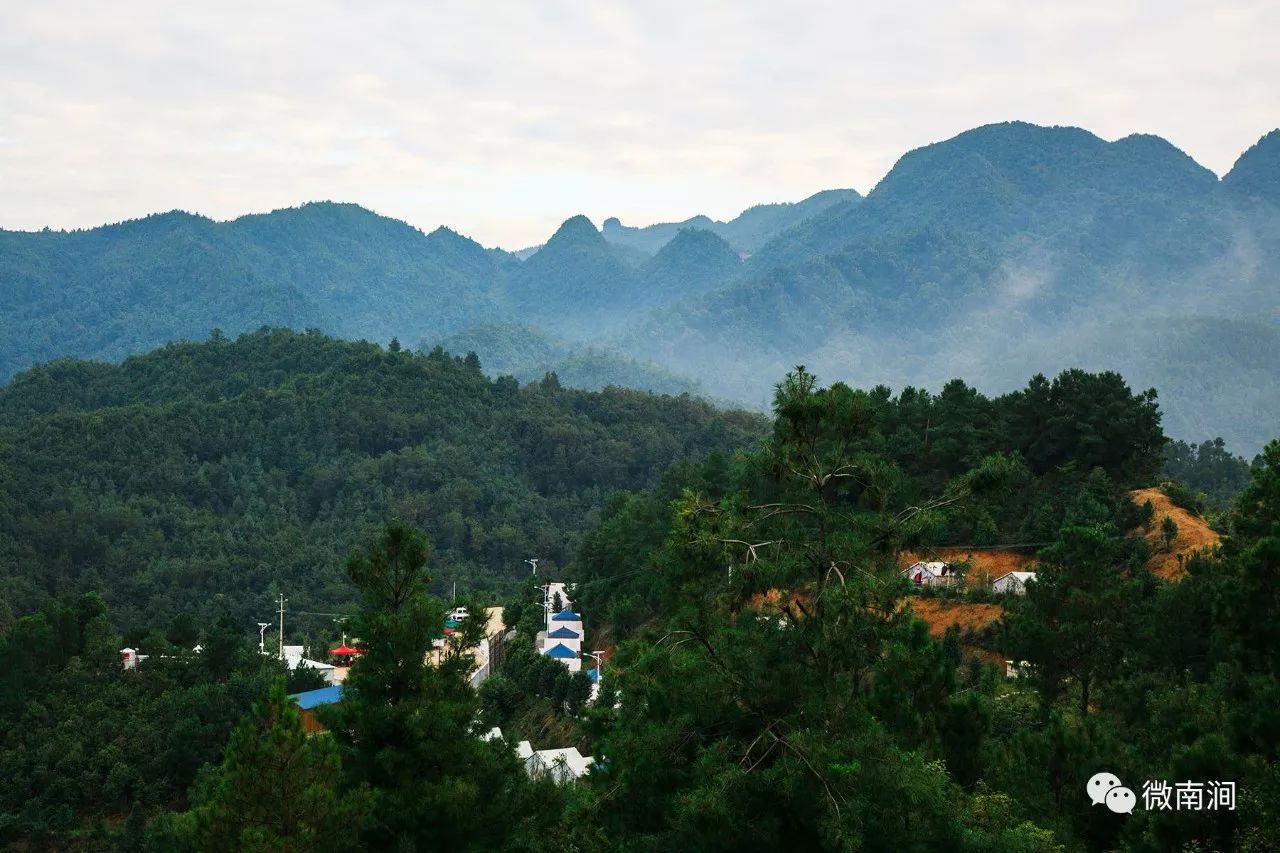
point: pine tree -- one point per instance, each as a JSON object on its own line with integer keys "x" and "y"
{"x": 276, "y": 790}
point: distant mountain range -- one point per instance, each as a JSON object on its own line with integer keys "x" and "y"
{"x": 1008, "y": 249}
{"x": 746, "y": 233}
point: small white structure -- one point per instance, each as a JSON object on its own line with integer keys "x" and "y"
{"x": 930, "y": 574}
{"x": 562, "y": 765}
{"x": 293, "y": 659}
{"x": 1012, "y": 582}
{"x": 561, "y": 589}
{"x": 129, "y": 658}
{"x": 1016, "y": 668}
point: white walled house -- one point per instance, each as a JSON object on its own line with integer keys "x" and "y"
{"x": 1016, "y": 668}
{"x": 566, "y": 656}
{"x": 562, "y": 765}
{"x": 930, "y": 574}
{"x": 565, "y": 619}
{"x": 1014, "y": 583}
{"x": 565, "y": 636}
{"x": 293, "y": 659}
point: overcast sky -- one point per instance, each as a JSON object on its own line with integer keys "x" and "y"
{"x": 501, "y": 120}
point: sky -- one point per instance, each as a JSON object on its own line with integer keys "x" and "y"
{"x": 501, "y": 120}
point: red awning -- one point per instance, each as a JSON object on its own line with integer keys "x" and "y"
{"x": 345, "y": 650}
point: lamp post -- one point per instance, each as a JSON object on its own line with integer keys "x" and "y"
{"x": 534, "y": 563}
{"x": 262, "y": 637}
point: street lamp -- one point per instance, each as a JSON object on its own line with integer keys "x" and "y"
{"x": 534, "y": 563}
{"x": 262, "y": 637}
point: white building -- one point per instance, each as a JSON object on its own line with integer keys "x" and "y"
{"x": 561, "y": 589}
{"x": 565, "y": 619}
{"x": 1012, "y": 582}
{"x": 565, "y": 636}
{"x": 1016, "y": 668}
{"x": 293, "y": 658}
{"x": 930, "y": 574}
{"x": 562, "y": 765}
{"x": 566, "y": 656}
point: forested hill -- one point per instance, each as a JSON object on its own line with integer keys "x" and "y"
{"x": 1007, "y": 250}
{"x": 1011, "y": 249}
{"x": 213, "y": 476}
{"x": 122, "y": 289}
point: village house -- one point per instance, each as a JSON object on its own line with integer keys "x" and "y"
{"x": 565, "y": 655}
{"x": 1016, "y": 668}
{"x": 294, "y": 658}
{"x": 930, "y": 574}
{"x": 312, "y": 699}
{"x": 561, "y": 765}
{"x": 565, "y": 637}
{"x": 1012, "y": 583}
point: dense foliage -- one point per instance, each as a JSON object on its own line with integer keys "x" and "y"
{"x": 219, "y": 475}
{"x": 85, "y": 740}
{"x": 768, "y": 684}
{"x": 775, "y": 692}
{"x": 1212, "y": 474}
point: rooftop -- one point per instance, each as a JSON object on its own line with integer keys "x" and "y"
{"x": 315, "y": 698}
{"x": 560, "y": 650}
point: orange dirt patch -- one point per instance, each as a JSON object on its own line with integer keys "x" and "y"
{"x": 940, "y": 614}
{"x": 985, "y": 564}
{"x": 776, "y": 600}
{"x": 1194, "y": 534}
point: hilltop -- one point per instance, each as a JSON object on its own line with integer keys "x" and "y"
{"x": 1194, "y": 534}
{"x": 206, "y": 477}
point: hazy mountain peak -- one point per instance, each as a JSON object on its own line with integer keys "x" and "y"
{"x": 445, "y": 235}
{"x": 575, "y": 229}
{"x": 1257, "y": 171}
{"x": 696, "y": 239}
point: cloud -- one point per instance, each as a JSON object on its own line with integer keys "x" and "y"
{"x": 502, "y": 119}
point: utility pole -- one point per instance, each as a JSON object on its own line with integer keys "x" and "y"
{"x": 282, "y": 601}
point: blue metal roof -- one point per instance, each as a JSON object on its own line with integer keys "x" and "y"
{"x": 315, "y": 698}
{"x": 564, "y": 632}
{"x": 560, "y": 650}
{"x": 566, "y": 615}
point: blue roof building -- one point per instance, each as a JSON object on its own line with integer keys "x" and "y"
{"x": 564, "y": 632}
{"x": 315, "y": 698}
{"x": 559, "y": 650}
{"x": 566, "y": 615}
